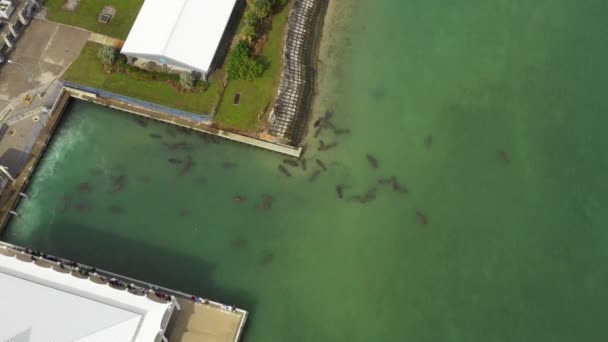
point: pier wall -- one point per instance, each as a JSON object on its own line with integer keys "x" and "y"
{"x": 296, "y": 90}
{"x": 139, "y": 103}
{"x": 9, "y": 198}
{"x": 217, "y": 312}
{"x": 184, "y": 119}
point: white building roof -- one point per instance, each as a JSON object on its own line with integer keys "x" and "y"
{"x": 40, "y": 304}
{"x": 184, "y": 31}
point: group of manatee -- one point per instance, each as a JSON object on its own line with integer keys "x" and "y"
{"x": 342, "y": 190}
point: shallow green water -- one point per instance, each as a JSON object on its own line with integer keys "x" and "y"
{"x": 513, "y": 251}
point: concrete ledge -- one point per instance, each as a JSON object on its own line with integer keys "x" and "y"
{"x": 183, "y": 121}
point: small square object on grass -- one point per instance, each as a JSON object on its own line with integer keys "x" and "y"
{"x": 106, "y": 14}
{"x": 237, "y": 99}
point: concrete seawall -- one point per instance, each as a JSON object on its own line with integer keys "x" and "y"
{"x": 10, "y": 196}
{"x": 183, "y": 119}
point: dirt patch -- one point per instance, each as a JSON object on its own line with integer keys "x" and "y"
{"x": 70, "y": 5}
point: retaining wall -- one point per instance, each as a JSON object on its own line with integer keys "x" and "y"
{"x": 204, "y": 119}
{"x": 290, "y": 113}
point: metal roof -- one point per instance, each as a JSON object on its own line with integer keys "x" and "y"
{"x": 183, "y": 32}
{"x": 40, "y": 304}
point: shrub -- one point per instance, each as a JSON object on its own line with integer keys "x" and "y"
{"x": 107, "y": 54}
{"x": 262, "y": 8}
{"x": 186, "y": 80}
{"x": 251, "y": 69}
{"x": 241, "y": 65}
{"x": 251, "y": 19}
{"x": 249, "y": 33}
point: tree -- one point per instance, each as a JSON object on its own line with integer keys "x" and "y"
{"x": 262, "y": 8}
{"x": 186, "y": 80}
{"x": 236, "y": 58}
{"x": 107, "y": 54}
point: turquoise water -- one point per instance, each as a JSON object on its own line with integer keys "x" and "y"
{"x": 490, "y": 113}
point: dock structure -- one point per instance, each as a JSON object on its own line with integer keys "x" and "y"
{"x": 297, "y": 82}
{"x": 12, "y": 190}
{"x": 104, "y": 305}
{"x": 202, "y": 125}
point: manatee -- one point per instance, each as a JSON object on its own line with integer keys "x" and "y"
{"x": 314, "y": 176}
{"x": 189, "y": 164}
{"x": 421, "y": 218}
{"x": 115, "y": 209}
{"x": 428, "y": 141}
{"x": 373, "y": 162}
{"x": 504, "y": 156}
{"x": 321, "y": 164}
{"x": 284, "y": 171}
{"x": 84, "y": 187}
{"x": 291, "y": 162}
{"x": 229, "y": 165}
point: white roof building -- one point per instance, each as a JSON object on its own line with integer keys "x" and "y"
{"x": 181, "y": 33}
{"x": 40, "y": 304}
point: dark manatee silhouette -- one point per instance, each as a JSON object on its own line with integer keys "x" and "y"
{"x": 83, "y": 207}
{"x": 228, "y": 165}
{"x": 303, "y": 164}
{"x": 267, "y": 258}
{"x": 175, "y": 161}
{"x": 397, "y": 187}
{"x": 118, "y": 183}
{"x": 318, "y": 132}
{"x": 84, "y": 187}
{"x": 321, "y": 164}
{"x": 428, "y": 141}
{"x": 266, "y": 202}
{"x": 373, "y": 162}
{"x": 141, "y": 121}
{"x": 341, "y": 131}
{"x": 340, "y": 190}
{"x": 239, "y": 199}
{"x": 314, "y": 176}
{"x": 188, "y": 165}
{"x": 421, "y": 218}
{"x": 379, "y": 93}
{"x": 182, "y": 145}
{"x": 327, "y": 147}
{"x": 291, "y": 162}
{"x": 65, "y": 203}
{"x": 115, "y": 209}
{"x": 97, "y": 171}
{"x": 385, "y": 181}
{"x": 155, "y": 136}
{"x": 504, "y": 156}
{"x": 284, "y": 171}
{"x": 369, "y": 196}
{"x": 239, "y": 243}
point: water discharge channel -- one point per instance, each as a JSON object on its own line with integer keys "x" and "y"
{"x": 490, "y": 114}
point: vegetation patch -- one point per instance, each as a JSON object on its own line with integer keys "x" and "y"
{"x": 95, "y": 67}
{"x": 86, "y": 14}
{"x": 257, "y": 94}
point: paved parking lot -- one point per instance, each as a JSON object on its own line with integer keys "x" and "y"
{"x": 43, "y": 52}
{"x": 45, "y": 49}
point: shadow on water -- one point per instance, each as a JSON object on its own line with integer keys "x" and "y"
{"x": 140, "y": 260}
